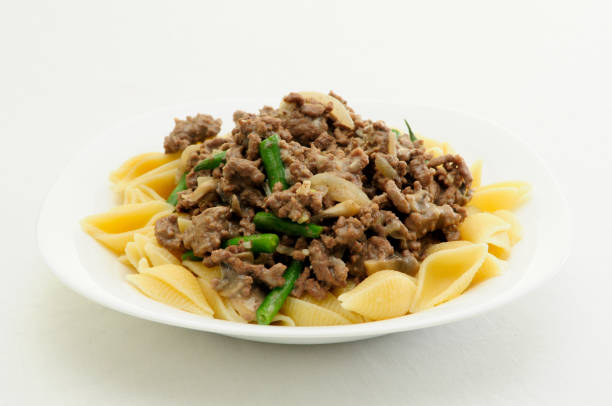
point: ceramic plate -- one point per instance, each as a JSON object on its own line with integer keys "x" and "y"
{"x": 88, "y": 268}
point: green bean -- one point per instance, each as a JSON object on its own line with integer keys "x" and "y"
{"x": 212, "y": 162}
{"x": 277, "y": 296}
{"x": 413, "y": 137}
{"x": 181, "y": 185}
{"x": 269, "y": 222}
{"x": 270, "y": 156}
{"x": 190, "y": 256}
{"x": 258, "y": 242}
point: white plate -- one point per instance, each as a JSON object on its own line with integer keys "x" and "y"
{"x": 88, "y": 268}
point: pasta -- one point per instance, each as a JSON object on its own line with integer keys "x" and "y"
{"x": 382, "y": 295}
{"x": 445, "y": 274}
{"x": 490, "y": 229}
{"x": 361, "y": 223}
{"x": 306, "y": 313}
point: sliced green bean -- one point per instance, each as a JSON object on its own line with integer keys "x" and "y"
{"x": 277, "y": 296}
{"x": 181, "y": 185}
{"x": 190, "y": 256}
{"x": 257, "y": 242}
{"x": 413, "y": 137}
{"x": 269, "y": 222}
{"x": 269, "y": 151}
{"x": 211, "y": 162}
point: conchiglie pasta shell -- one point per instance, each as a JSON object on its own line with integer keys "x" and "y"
{"x": 202, "y": 271}
{"x": 382, "y": 295}
{"x": 480, "y": 227}
{"x": 142, "y": 265}
{"x": 446, "y": 246}
{"x": 490, "y": 267}
{"x": 282, "y": 320}
{"x": 501, "y": 196}
{"x": 445, "y": 274}
{"x": 436, "y": 151}
{"x": 133, "y": 195}
{"x": 304, "y": 313}
{"x": 523, "y": 187}
{"x": 128, "y": 217}
{"x": 183, "y": 281}
{"x": 164, "y": 293}
{"x": 115, "y": 228}
{"x": 162, "y": 180}
{"x": 140, "y": 164}
{"x": 133, "y": 254}
{"x": 124, "y": 260}
{"x": 220, "y": 308}
{"x": 499, "y": 245}
{"x": 330, "y": 302}
{"x": 114, "y": 242}
{"x": 476, "y": 171}
{"x": 516, "y": 229}
{"x": 158, "y": 255}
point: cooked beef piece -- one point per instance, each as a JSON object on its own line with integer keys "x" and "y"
{"x": 327, "y": 268}
{"x": 230, "y": 257}
{"x": 190, "y": 131}
{"x": 306, "y": 284}
{"x": 168, "y": 234}
{"x": 454, "y": 178}
{"x": 308, "y": 121}
{"x": 378, "y": 248}
{"x": 349, "y": 232}
{"x": 239, "y": 173}
{"x": 297, "y": 203}
{"x": 209, "y": 229}
{"x": 252, "y": 152}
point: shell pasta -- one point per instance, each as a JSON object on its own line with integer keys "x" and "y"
{"x": 295, "y": 220}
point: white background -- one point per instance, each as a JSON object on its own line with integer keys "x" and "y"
{"x": 71, "y": 69}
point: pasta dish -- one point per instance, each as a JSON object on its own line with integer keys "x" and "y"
{"x": 306, "y": 215}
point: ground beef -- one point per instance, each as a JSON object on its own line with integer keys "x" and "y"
{"x": 240, "y": 175}
{"x": 209, "y": 229}
{"x": 232, "y": 264}
{"x": 328, "y": 269}
{"x": 349, "y": 232}
{"x": 252, "y": 152}
{"x": 416, "y": 199}
{"x": 306, "y": 284}
{"x": 191, "y": 130}
{"x": 297, "y": 203}
{"x": 168, "y": 234}
{"x": 378, "y": 248}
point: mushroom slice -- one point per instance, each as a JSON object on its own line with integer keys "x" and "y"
{"x": 408, "y": 265}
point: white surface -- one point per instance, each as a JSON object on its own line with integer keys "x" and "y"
{"x": 93, "y": 271}
{"x": 540, "y": 68}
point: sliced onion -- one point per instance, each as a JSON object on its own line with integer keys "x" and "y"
{"x": 340, "y": 189}
{"x": 346, "y": 208}
{"x": 383, "y": 166}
